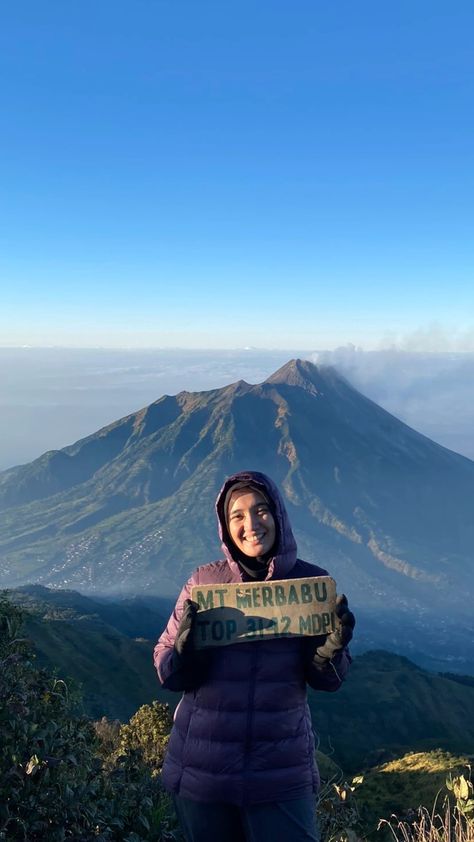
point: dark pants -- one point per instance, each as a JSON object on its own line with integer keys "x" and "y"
{"x": 281, "y": 821}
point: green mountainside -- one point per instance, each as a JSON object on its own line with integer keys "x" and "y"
{"x": 105, "y": 648}
{"x": 139, "y": 616}
{"x": 389, "y": 706}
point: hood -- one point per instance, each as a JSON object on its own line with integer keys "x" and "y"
{"x": 284, "y": 559}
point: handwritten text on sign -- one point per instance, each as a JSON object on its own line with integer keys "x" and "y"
{"x": 233, "y": 613}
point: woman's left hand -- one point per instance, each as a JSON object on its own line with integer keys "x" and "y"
{"x": 342, "y": 635}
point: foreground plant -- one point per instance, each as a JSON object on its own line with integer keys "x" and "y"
{"x": 455, "y": 823}
{"x": 463, "y": 792}
{"x": 338, "y": 810}
{"x": 57, "y": 781}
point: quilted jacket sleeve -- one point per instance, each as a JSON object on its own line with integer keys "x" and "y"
{"x": 330, "y": 675}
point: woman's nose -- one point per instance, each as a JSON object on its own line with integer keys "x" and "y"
{"x": 252, "y": 520}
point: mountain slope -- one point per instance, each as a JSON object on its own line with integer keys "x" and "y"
{"x": 130, "y": 508}
{"x": 105, "y": 647}
{"x": 387, "y": 707}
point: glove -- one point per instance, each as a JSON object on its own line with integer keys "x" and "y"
{"x": 341, "y": 636}
{"x": 184, "y": 643}
{"x": 189, "y": 666}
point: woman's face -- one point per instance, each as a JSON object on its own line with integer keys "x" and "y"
{"x": 251, "y": 524}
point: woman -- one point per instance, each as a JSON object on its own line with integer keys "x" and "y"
{"x": 240, "y": 760}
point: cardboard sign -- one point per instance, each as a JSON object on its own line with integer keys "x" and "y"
{"x": 237, "y": 613}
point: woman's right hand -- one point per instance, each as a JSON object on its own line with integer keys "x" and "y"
{"x": 184, "y": 641}
{"x": 189, "y": 666}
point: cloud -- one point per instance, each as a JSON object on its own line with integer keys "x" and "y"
{"x": 432, "y": 392}
{"x": 432, "y": 338}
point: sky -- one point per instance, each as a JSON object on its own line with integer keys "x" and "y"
{"x": 240, "y": 174}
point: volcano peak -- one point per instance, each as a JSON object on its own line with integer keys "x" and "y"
{"x": 303, "y": 373}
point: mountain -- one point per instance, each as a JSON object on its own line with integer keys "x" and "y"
{"x": 130, "y": 508}
{"x": 137, "y": 617}
{"x": 105, "y": 647}
{"x": 388, "y": 706}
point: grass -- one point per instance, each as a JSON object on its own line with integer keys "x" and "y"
{"x": 449, "y": 825}
{"x": 400, "y": 787}
{"x": 386, "y": 803}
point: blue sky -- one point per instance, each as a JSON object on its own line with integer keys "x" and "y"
{"x": 215, "y": 174}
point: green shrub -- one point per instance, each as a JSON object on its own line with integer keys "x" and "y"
{"x": 58, "y": 781}
{"x": 147, "y": 733}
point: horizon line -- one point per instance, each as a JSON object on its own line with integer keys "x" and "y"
{"x": 348, "y": 347}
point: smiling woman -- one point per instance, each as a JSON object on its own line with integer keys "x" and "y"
{"x": 240, "y": 761}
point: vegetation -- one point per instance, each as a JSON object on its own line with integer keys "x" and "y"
{"x": 453, "y": 823}
{"x": 62, "y": 776}
{"x": 339, "y": 813}
{"x": 385, "y": 803}
{"x": 58, "y": 779}
{"x": 399, "y": 787}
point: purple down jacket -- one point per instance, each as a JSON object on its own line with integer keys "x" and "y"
{"x": 245, "y": 735}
